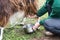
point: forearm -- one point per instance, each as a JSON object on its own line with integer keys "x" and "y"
{"x": 38, "y": 22}
{"x": 41, "y": 11}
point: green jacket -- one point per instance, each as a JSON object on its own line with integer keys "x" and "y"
{"x": 55, "y": 13}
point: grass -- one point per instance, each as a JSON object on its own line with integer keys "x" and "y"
{"x": 17, "y": 33}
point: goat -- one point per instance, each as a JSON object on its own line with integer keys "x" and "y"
{"x": 9, "y": 8}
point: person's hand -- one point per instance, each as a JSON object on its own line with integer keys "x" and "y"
{"x": 36, "y": 26}
{"x": 32, "y": 16}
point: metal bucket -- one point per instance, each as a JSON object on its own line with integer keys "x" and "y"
{"x": 28, "y": 28}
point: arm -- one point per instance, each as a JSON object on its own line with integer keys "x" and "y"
{"x": 42, "y": 10}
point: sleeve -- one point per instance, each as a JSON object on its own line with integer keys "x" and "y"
{"x": 42, "y": 10}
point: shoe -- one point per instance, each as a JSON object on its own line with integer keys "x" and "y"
{"x": 47, "y": 33}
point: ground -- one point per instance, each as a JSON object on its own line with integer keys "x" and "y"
{"x": 19, "y": 34}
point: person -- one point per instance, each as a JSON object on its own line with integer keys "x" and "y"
{"x": 53, "y": 9}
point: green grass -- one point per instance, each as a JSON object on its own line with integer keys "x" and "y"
{"x": 17, "y": 33}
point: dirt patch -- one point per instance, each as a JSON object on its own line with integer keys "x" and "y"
{"x": 50, "y": 38}
{"x": 44, "y": 37}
